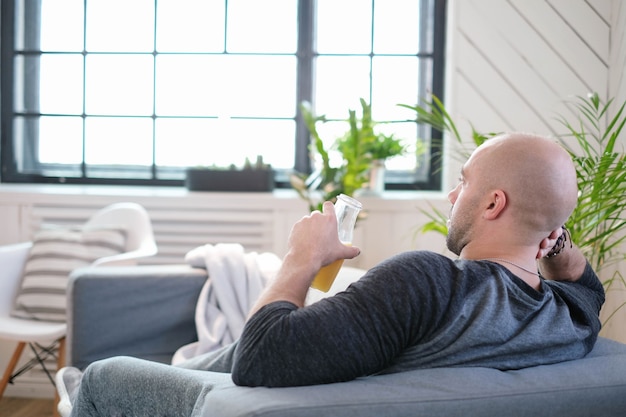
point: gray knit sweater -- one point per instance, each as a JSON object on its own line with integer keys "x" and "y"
{"x": 417, "y": 310}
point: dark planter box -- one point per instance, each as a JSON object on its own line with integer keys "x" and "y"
{"x": 204, "y": 179}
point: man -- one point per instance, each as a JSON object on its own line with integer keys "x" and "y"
{"x": 519, "y": 295}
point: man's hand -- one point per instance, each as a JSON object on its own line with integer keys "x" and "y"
{"x": 548, "y": 243}
{"x": 568, "y": 265}
{"x": 313, "y": 243}
{"x": 313, "y": 240}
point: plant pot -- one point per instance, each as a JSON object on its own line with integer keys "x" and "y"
{"x": 206, "y": 179}
{"x": 376, "y": 184}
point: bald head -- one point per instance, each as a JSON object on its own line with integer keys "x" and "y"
{"x": 536, "y": 174}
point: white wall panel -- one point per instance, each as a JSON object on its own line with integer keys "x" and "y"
{"x": 565, "y": 41}
{"x": 584, "y": 22}
{"x": 518, "y": 62}
{"x": 602, "y": 7}
{"x": 617, "y": 80}
{"x": 532, "y": 47}
{"x": 514, "y": 69}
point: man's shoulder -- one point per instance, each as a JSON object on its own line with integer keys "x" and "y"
{"x": 441, "y": 268}
{"x": 424, "y": 254}
{"x": 423, "y": 262}
{"x": 424, "y": 257}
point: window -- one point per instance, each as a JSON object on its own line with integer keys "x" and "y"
{"x": 133, "y": 92}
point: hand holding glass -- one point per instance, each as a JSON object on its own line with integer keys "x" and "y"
{"x": 346, "y": 210}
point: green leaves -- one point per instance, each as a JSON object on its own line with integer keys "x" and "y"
{"x": 434, "y": 114}
{"x": 598, "y": 223}
{"x": 359, "y": 147}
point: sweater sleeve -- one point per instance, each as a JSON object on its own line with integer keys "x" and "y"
{"x": 355, "y": 333}
{"x": 584, "y": 299}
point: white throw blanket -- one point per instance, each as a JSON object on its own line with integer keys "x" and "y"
{"x": 235, "y": 280}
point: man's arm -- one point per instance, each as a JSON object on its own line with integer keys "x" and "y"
{"x": 357, "y": 332}
{"x": 574, "y": 280}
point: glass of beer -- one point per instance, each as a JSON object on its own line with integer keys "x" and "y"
{"x": 346, "y": 209}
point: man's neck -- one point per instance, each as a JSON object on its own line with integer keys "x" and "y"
{"x": 519, "y": 260}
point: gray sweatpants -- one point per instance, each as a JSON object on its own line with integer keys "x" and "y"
{"x": 125, "y": 386}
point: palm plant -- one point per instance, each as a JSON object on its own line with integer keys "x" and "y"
{"x": 598, "y": 223}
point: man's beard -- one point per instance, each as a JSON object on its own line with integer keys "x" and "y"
{"x": 458, "y": 233}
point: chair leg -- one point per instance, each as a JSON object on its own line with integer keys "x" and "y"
{"x": 11, "y": 366}
{"x": 60, "y": 364}
{"x": 61, "y": 358}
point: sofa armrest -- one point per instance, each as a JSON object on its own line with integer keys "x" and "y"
{"x": 142, "y": 311}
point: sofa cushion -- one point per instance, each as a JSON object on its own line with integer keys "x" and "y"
{"x": 54, "y": 254}
{"x": 592, "y": 386}
{"x": 145, "y": 311}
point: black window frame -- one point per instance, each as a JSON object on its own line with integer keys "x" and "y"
{"x": 10, "y": 172}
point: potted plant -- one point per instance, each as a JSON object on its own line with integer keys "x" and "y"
{"x": 252, "y": 177}
{"x": 363, "y": 152}
{"x": 598, "y": 223}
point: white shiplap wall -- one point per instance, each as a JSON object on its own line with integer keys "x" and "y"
{"x": 617, "y": 57}
{"x": 514, "y": 64}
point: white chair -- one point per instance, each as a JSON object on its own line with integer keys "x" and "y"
{"x": 139, "y": 239}
{"x": 47, "y": 339}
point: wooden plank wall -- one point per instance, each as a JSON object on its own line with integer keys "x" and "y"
{"x": 617, "y": 62}
{"x": 513, "y": 64}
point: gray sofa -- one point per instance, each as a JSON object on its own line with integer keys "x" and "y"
{"x": 148, "y": 312}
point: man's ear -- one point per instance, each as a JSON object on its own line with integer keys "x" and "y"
{"x": 495, "y": 204}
